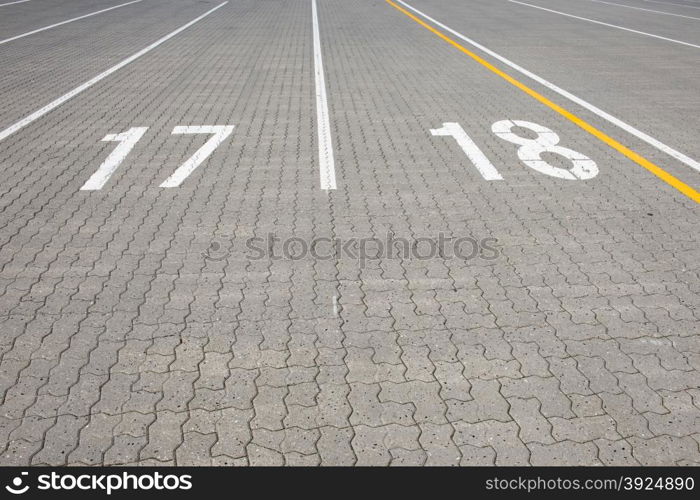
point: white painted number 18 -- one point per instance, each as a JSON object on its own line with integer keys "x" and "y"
{"x": 530, "y": 151}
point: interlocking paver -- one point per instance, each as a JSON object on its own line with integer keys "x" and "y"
{"x": 137, "y": 328}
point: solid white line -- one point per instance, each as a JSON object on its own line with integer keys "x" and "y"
{"x": 677, "y": 4}
{"x": 590, "y": 107}
{"x": 66, "y": 22}
{"x": 646, "y": 10}
{"x": 54, "y": 104}
{"x": 12, "y": 3}
{"x": 325, "y": 144}
{"x": 606, "y": 24}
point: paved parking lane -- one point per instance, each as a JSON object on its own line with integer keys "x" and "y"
{"x": 632, "y": 78}
{"x": 26, "y": 16}
{"x": 454, "y": 325}
{"x": 64, "y": 22}
{"x": 132, "y": 233}
{"x": 47, "y": 65}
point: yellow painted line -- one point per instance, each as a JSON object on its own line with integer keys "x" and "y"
{"x": 635, "y": 157}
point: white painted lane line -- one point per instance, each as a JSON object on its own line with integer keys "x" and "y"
{"x": 590, "y": 107}
{"x": 677, "y": 4}
{"x": 54, "y": 104}
{"x": 325, "y": 144}
{"x": 12, "y": 3}
{"x": 606, "y": 24}
{"x": 66, "y": 22}
{"x": 646, "y": 10}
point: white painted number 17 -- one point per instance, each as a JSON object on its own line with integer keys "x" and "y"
{"x": 127, "y": 140}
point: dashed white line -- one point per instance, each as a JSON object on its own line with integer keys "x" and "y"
{"x": 325, "y": 143}
{"x": 66, "y": 22}
{"x": 645, "y": 10}
{"x": 56, "y": 103}
{"x": 590, "y": 107}
{"x": 673, "y": 40}
{"x": 12, "y": 3}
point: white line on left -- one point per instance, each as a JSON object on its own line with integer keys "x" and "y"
{"x": 66, "y": 22}
{"x": 325, "y": 143}
{"x": 12, "y": 3}
{"x": 57, "y": 102}
{"x": 607, "y": 24}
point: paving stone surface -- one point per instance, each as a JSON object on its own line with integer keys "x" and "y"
{"x": 208, "y": 324}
